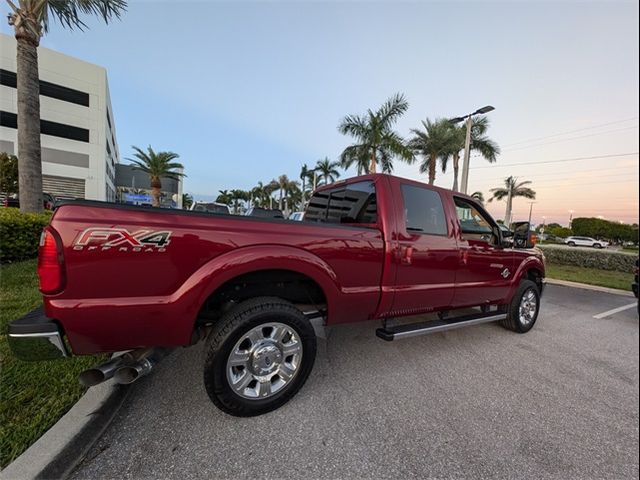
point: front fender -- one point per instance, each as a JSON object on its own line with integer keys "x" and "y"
{"x": 528, "y": 263}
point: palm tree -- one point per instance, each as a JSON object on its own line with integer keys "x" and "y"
{"x": 30, "y": 19}
{"x": 187, "y": 201}
{"x": 327, "y": 170}
{"x": 436, "y": 141}
{"x": 283, "y": 180}
{"x": 157, "y": 165}
{"x": 238, "y": 196}
{"x": 512, "y": 188}
{"x": 376, "y": 141}
{"x": 293, "y": 195}
{"x": 304, "y": 176}
{"x": 479, "y": 196}
{"x": 480, "y": 143}
{"x": 224, "y": 196}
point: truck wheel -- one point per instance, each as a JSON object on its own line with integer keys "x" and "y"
{"x": 523, "y": 309}
{"x": 258, "y": 356}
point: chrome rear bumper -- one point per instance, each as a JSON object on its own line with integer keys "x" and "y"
{"x": 36, "y": 337}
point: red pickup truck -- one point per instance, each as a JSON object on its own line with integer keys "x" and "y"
{"x": 375, "y": 247}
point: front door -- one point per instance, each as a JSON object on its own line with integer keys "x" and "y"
{"x": 427, "y": 254}
{"x": 485, "y": 268}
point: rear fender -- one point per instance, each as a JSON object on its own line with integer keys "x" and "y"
{"x": 225, "y": 267}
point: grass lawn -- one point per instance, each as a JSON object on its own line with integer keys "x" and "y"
{"x": 34, "y": 395}
{"x": 592, "y": 276}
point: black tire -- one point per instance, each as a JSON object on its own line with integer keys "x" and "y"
{"x": 597, "y": 245}
{"x": 228, "y": 331}
{"x": 513, "y": 321}
{"x": 572, "y": 244}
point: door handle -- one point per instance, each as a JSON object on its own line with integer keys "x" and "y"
{"x": 405, "y": 256}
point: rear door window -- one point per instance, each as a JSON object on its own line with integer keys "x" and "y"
{"x": 424, "y": 212}
{"x": 353, "y": 203}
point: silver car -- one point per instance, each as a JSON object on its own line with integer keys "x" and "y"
{"x": 585, "y": 242}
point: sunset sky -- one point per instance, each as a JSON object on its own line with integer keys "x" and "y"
{"x": 247, "y": 91}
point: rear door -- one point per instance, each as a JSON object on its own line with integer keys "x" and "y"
{"x": 426, "y": 253}
{"x": 485, "y": 268}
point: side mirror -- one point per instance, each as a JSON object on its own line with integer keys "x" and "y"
{"x": 522, "y": 237}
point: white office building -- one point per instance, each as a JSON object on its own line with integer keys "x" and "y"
{"x": 79, "y": 146}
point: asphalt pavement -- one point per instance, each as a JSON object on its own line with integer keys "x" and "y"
{"x": 558, "y": 402}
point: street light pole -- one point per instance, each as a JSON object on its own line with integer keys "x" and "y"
{"x": 530, "y": 210}
{"x": 467, "y": 144}
{"x": 467, "y": 152}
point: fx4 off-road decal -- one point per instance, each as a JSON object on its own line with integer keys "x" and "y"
{"x": 122, "y": 240}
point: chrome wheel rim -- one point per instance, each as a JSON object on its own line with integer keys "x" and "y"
{"x": 264, "y": 360}
{"x": 528, "y": 307}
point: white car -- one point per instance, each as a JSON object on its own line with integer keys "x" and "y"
{"x": 585, "y": 242}
{"x": 211, "y": 207}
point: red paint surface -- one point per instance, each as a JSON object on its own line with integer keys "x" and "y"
{"x": 119, "y": 299}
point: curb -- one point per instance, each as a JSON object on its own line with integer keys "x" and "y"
{"x": 63, "y": 446}
{"x": 585, "y": 286}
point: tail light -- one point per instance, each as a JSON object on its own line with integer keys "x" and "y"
{"x": 534, "y": 239}
{"x": 50, "y": 263}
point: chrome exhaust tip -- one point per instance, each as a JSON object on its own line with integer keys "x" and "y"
{"x": 101, "y": 373}
{"x": 130, "y": 373}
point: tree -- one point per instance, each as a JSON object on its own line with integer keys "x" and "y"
{"x": 187, "y": 201}
{"x": 327, "y": 170}
{"x": 480, "y": 143}
{"x": 558, "y": 231}
{"x": 8, "y": 173}
{"x": 237, "y": 196}
{"x": 30, "y": 19}
{"x": 478, "y": 196}
{"x": 601, "y": 228}
{"x": 304, "y": 177}
{"x": 157, "y": 165}
{"x": 436, "y": 141}
{"x": 376, "y": 141}
{"x": 283, "y": 180}
{"x": 293, "y": 195}
{"x": 512, "y": 189}
{"x": 258, "y": 195}
{"x": 224, "y": 196}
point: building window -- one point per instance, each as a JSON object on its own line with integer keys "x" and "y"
{"x": 48, "y": 89}
{"x": 8, "y": 119}
{"x": 354, "y": 203}
{"x": 423, "y": 211}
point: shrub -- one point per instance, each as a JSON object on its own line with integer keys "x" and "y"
{"x": 20, "y": 233}
{"x": 590, "y": 258}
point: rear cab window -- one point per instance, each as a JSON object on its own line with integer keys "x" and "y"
{"x": 353, "y": 203}
{"x": 423, "y": 211}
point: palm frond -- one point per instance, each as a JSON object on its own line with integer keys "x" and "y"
{"x": 68, "y": 12}
{"x": 391, "y": 110}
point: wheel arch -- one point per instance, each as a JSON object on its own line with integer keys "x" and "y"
{"x": 262, "y": 265}
{"x": 531, "y": 268}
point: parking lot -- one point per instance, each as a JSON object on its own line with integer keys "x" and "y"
{"x": 560, "y": 401}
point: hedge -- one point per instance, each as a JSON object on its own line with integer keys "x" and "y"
{"x": 20, "y": 233}
{"x": 589, "y": 257}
